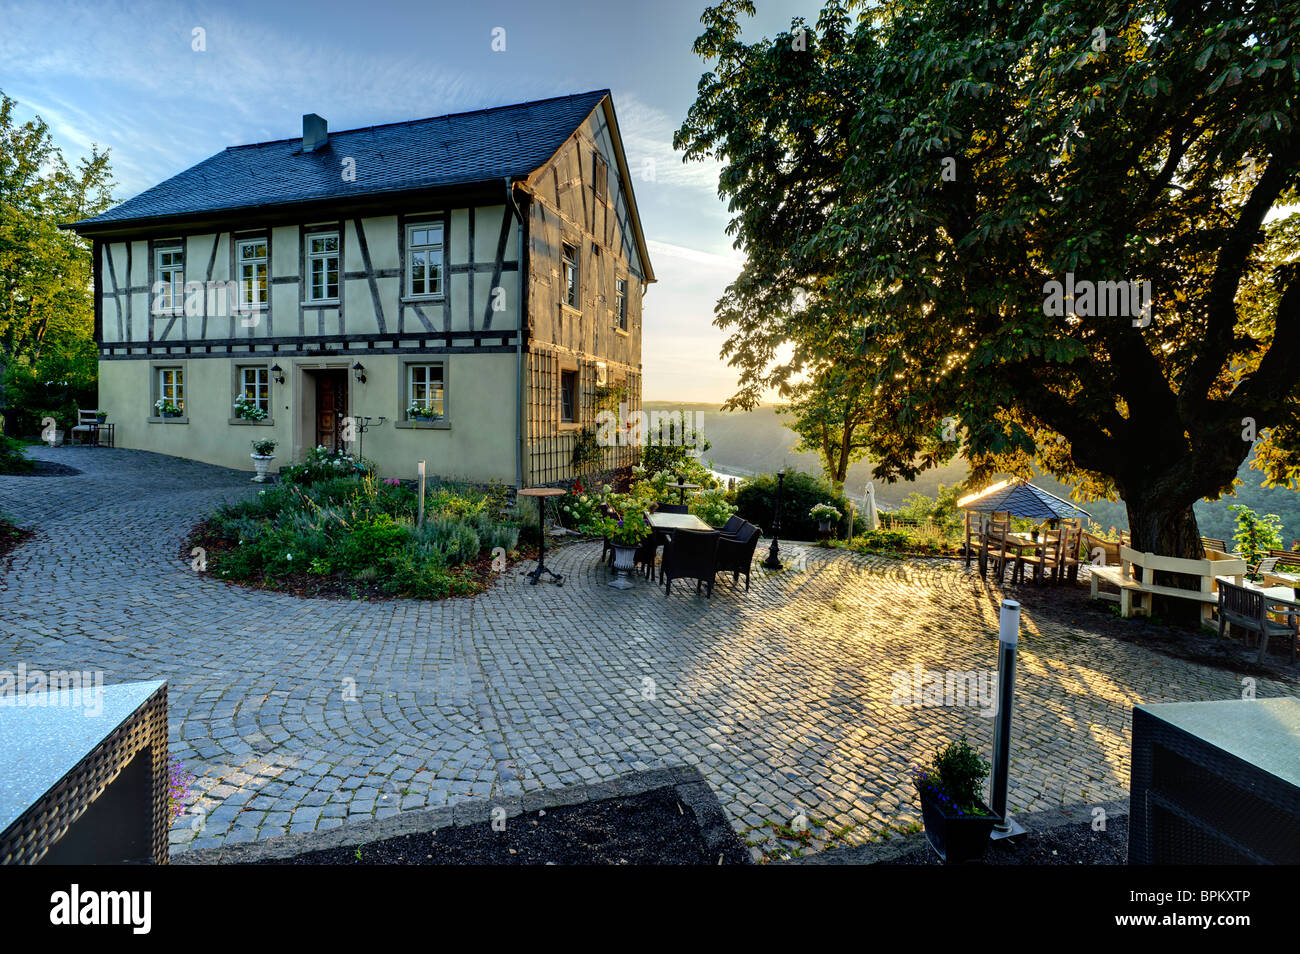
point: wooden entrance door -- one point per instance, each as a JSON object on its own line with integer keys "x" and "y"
{"x": 331, "y": 408}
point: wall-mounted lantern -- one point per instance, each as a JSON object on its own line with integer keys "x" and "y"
{"x": 359, "y": 372}
{"x": 278, "y": 373}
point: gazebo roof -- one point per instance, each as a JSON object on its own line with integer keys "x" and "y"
{"x": 1020, "y": 498}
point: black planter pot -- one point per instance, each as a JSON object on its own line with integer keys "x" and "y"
{"x": 955, "y": 838}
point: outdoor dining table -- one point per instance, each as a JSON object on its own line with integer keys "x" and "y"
{"x": 85, "y": 775}
{"x": 677, "y": 521}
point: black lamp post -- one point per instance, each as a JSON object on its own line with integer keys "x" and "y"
{"x": 773, "y": 561}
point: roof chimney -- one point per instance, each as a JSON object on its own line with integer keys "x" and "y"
{"x": 315, "y": 132}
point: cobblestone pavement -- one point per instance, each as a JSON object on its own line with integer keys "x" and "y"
{"x": 300, "y": 715}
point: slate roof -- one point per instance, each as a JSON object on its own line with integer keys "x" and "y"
{"x": 457, "y": 149}
{"x": 1021, "y": 499}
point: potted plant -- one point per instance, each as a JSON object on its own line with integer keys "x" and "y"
{"x": 101, "y": 416}
{"x": 957, "y": 823}
{"x": 246, "y": 409}
{"x": 263, "y": 454}
{"x": 166, "y": 408}
{"x": 825, "y": 515}
{"x": 420, "y": 412}
{"x": 625, "y": 533}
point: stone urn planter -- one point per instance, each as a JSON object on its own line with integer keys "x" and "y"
{"x": 262, "y": 456}
{"x": 624, "y": 563}
{"x": 262, "y": 465}
{"x": 824, "y": 527}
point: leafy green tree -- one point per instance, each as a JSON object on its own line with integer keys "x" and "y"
{"x": 828, "y": 413}
{"x": 1256, "y": 534}
{"x": 46, "y": 301}
{"x": 926, "y": 169}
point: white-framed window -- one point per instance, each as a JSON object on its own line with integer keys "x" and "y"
{"x": 620, "y": 303}
{"x": 169, "y": 279}
{"x": 570, "y": 263}
{"x": 171, "y": 389}
{"x": 255, "y": 387}
{"x": 323, "y": 266}
{"x": 569, "y": 396}
{"x": 250, "y": 266}
{"x": 426, "y": 389}
{"x": 424, "y": 260}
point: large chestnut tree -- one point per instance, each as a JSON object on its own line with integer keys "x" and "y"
{"x": 915, "y": 173}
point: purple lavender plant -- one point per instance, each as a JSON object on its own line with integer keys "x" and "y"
{"x": 178, "y": 789}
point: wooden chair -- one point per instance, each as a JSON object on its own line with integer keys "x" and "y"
{"x": 1067, "y": 566}
{"x": 1091, "y": 544}
{"x": 1214, "y": 543}
{"x": 997, "y": 547}
{"x": 1046, "y": 557}
{"x": 1249, "y": 609}
{"x": 1286, "y": 557}
{"x": 974, "y": 521}
{"x": 1267, "y": 570}
{"x": 87, "y": 424}
{"x": 736, "y": 553}
{"x": 690, "y": 554}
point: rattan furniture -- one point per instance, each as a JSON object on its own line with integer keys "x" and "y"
{"x": 1215, "y": 783}
{"x": 736, "y": 553}
{"x": 84, "y": 776}
{"x": 690, "y": 554}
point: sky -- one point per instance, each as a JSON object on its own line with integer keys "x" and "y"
{"x": 127, "y": 76}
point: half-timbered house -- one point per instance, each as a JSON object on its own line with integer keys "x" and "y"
{"x": 474, "y": 280}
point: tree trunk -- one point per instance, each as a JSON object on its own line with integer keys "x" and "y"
{"x": 1168, "y": 530}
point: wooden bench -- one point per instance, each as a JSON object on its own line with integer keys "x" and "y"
{"x": 1134, "y": 594}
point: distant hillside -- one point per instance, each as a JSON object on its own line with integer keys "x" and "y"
{"x": 758, "y": 442}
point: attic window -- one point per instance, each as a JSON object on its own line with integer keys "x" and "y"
{"x": 601, "y": 176}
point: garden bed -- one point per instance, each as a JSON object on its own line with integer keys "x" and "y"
{"x": 332, "y": 529}
{"x": 44, "y": 468}
{"x": 653, "y": 828}
{"x": 1066, "y": 845}
{"x": 11, "y": 538}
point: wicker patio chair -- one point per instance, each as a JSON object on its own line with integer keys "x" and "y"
{"x": 671, "y": 508}
{"x": 734, "y": 523}
{"x": 736, "y": 554}
{"x": 690, "y": 555}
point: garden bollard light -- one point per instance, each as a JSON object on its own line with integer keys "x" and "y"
{"x": 419, "y": 515}
{"x": 1008, "y": 637}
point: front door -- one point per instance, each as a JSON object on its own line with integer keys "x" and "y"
{"x": 331, "y": 408}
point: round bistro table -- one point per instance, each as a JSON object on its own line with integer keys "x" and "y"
{"x": 681, "y": 487}
{"x": 541, "y": 493}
